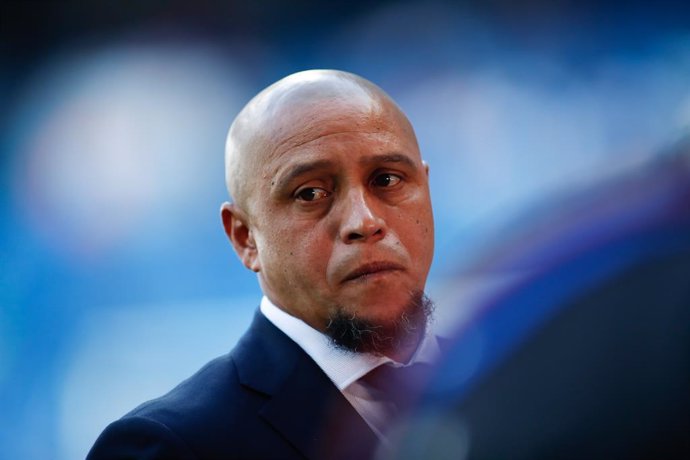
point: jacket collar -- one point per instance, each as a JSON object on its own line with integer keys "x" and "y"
{"x": 302, "y": 403}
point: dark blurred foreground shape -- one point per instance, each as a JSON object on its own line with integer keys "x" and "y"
{"x": 588, "y": 355}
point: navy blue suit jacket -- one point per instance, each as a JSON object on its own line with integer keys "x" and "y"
{"x": 265, "y": 399}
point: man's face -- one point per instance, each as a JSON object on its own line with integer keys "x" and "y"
{"x": 341, "y": 216}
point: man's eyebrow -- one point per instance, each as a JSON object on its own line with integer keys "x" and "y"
{"x": 300, "y": 168}
{"x": 388, "y": 158}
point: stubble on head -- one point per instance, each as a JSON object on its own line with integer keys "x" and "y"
{"x": 352, "y": 333}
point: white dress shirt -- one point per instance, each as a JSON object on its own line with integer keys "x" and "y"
{"x": 343, "y": 367}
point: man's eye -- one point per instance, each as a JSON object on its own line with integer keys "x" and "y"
{"x": 386, "y": 180}
{"x": 312, "y": 194}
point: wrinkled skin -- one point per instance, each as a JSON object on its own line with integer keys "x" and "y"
{"x": 331, "y": 199}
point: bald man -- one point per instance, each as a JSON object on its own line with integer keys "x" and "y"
{"x": 330, "y": 207}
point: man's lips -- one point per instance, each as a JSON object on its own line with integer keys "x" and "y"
{"x": 373, "y": 268}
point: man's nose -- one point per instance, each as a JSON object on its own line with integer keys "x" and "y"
{"x": 360, "y": 220}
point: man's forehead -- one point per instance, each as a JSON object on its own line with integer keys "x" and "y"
{"x": 306, "y": 111}
{"x": 306, "y": 128}
{"x": 300, "y": 104}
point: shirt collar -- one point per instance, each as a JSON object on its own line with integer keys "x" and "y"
{"x": 341, "y": 366}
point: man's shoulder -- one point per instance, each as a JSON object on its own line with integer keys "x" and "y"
{"x": 229, "y": 385}
{"x": 212, "y": 413}
{"x": 215, "y": 385}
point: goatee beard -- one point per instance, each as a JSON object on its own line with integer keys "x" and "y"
{"x": 351, "y": 333}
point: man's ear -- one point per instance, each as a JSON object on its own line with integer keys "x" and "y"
{"x": 426, "y": 167}
{"x": 240, "y": 235}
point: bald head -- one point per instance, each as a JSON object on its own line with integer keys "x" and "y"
{"x": 332, "y": 208}
{"x": 286, "y": 114}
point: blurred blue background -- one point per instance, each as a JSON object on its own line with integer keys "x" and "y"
{"x": 116, "y": 280}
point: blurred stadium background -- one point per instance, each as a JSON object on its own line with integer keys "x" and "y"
{"x": 116, "y": 280}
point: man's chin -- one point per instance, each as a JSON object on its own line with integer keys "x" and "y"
{"x": 381, "y": 333}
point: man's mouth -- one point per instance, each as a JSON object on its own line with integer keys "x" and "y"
{"x": 368, "y": 270}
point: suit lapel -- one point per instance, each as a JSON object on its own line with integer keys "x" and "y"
{"x": 315, "y": 417}
{"x": 303, "y": 405}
